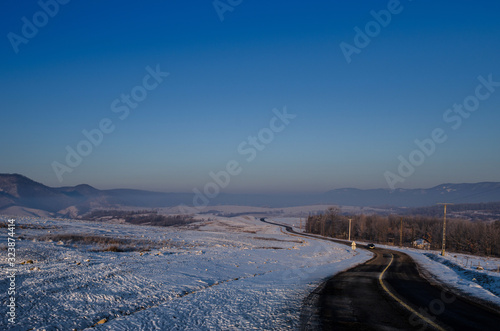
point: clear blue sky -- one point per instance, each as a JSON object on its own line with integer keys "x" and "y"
{"x": 225, "y": 78}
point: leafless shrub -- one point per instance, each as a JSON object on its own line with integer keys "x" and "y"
{"x": 102, "y": 243}
{"x": 85, "y": 239}
{"x": 141, "y": 217}
{"x": 113, "y": 248}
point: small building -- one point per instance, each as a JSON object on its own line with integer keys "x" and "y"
{"x": 421, "y": 243}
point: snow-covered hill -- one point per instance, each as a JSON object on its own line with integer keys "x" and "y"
{"x": 229, "y": 273}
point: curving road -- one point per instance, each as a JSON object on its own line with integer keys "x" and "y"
{"x": 388, "y": 293}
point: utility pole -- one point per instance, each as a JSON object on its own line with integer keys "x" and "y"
{"x": 444, "y": 227}
{"x": 401, "y": 233}
{"x": 349, "y": 229}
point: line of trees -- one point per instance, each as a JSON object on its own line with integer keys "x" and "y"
{"x": 462, "y": 236}
{"x": 140, "y": 217}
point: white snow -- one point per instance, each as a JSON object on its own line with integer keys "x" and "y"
{"x": 227, "y": 273}
{"x": 230, "y": 273}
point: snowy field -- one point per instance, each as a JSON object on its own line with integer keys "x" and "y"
{"x": 230, "y": 273}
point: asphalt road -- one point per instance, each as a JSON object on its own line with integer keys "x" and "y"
{"x": 388, "y": 293}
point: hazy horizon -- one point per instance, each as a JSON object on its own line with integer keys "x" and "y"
{"x": 230, "y": 192}
{"x": 254, "y": 97}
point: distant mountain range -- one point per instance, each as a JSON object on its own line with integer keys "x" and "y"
{"x": 20, "y": 195}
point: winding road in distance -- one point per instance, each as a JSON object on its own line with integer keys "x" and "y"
{"x": 388, "y": 293}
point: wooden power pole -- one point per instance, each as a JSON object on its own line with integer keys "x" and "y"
{"x": 444, "y": 227}
{"x": 349, "y": 229}
{"x": 401, "y": 233}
